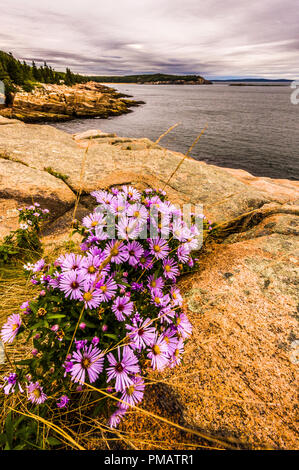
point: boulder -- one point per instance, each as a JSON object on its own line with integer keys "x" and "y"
{"x": 21, "y": 185}
{"x": 238, "y": 382}
{"x": 108, "y": 161}
{"x": 61, "y": 103}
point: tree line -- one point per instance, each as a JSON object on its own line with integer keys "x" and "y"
{"x": 146, "y": 78}
{"x": 14, "y": 73}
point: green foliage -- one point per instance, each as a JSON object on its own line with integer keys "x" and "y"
{"x": 23, "y": 243}
{"x": 61, "y": 176}
{"x": 16, "y": 73}
{"x": 24, "y": 433}
{"x": 157, "y": 77}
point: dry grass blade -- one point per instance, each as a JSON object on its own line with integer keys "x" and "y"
{"x": 225, "y": 445}
{"x": 167, "y": 132}
{"x": 185, "y": 156}
{"x": 52, "y": 426}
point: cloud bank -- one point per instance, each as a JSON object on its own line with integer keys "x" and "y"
{"x": 213, "y": 38}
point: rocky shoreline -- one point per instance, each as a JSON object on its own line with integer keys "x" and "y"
{"x": 53, "y": 103}
{"x": 240, "y": 372}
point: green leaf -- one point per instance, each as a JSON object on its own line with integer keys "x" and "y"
{"x": 53, "y": 441}
{"x": 55, "y": 315}
{"x": 111, "y": 336}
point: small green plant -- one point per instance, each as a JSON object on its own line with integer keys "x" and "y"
{"x": 61, "y": 176}
{"x": 24, "y": 242}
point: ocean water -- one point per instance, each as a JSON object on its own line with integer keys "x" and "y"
{"x": 255, "y": 128}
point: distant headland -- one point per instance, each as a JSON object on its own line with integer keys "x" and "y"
{"x": 154, "y": 79}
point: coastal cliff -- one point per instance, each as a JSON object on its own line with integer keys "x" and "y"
{"x": 51, "y": 102}
{"x": 238, "y": 379}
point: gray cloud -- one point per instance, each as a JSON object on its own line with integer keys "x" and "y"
{"x": 211, "y": 37}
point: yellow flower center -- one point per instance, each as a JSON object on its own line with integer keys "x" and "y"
{"x": 153, "y": 283}
{"x": 103, "y": 288}
{"x": 91, "y": 269}
{"x": 157, "y": 248}
{"x": 156, "y": 349}
{"x": 167, "y": 268}
{"x": 130, "y": 390}
{"x": 136, "y": 214}
{"x": 15, "y": 327}
{"x": 87, "y": 296}
{"x": 85, "y": 363}
{"x": 157, "y": 300}
{"x": 37, "y": 393}
{"x": 94, "y": 223}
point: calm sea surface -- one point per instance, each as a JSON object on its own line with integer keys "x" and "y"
{"x": 255, "y": 128}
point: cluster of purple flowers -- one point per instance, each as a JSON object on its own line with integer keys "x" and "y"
{"x": 124, "y": 291}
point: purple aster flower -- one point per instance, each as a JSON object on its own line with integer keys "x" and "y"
{"x": 63, "y": 401}
{"x": 35, "y": 393}
{"x": 146, "y": 261}
{"x": 106, "y": 288}
{"x": 38, "y": 266}
{"x": 133, "y": 394}
{"x": 159, "y": 299}
{"x": 166, "y": 314}
{"x": 122, "y": 306}
{"x": 90, "y": 266}
{"x": 183, "y": 253}
{"x": 10, "y": 328}
{"x": 122, "y": 367}
{"x": 176, "y": 297}
{"x": 118, "y": 205}
{"x": 116, "y": 417}
{"x": 171, "y": 270}
{"x": 158, "y": 248}
{"x": 90, "y": 297}
{"x": 94, "y": 220}
{"x": 183, "y": 326}
{"x": 176, "y": 357}
{"x": 118, "y": 252}
{"x": 11, "y": 384}
{"x": 131, "y": 193}
{"x": 138, "y": 212}
{"x": 88, "y": 360}
{"x": 103, "y": 197}
{"x": 71, "y": 283}
{"x": 70, "y": 262}
{"x": 180, "y": 230}
{"x": 155, "y": 282}
{"x": 134, "y": 252}
{"x": 159, "y": 353}
{"x": 142, "y": 334}
{"x": 128, "y": 228}
{"x": 170, "y": 336}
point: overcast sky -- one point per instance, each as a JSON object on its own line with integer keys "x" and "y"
{"x": 215, "y": 38}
